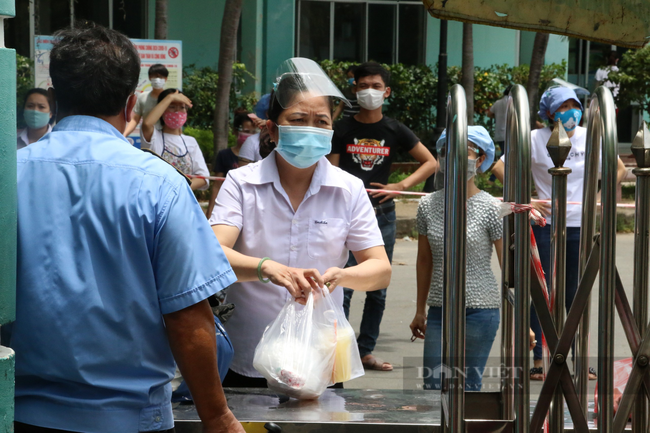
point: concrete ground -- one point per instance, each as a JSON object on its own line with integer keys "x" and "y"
{"x": 394, "y": 344}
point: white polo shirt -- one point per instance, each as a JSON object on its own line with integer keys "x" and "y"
{"x": 540, "y": 162}
{"x": 334, "y": 217}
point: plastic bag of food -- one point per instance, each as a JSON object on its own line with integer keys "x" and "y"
{"x": 308, "y": 348}
{"x": 347, "y": 361}
{"x": 296, "y": 352}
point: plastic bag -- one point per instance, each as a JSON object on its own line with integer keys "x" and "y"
{"x": 622, "y": 370}
{"x": 307, "y": 347}
{"x": 347, "y": 360}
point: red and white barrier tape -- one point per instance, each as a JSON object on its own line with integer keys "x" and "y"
{"x": 422, "y": 194}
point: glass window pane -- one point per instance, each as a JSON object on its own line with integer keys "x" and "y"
{"x": 17, "y": 29}
{"x": 314, "y": 30}
{"x": 381, "y": 32}
{"x": 92, "y": 10}
{"x": 412, "y": 34}
{"x": 349, "y": 31}
{"x": 51, "y": 15}
{"x": 129, "y": 18}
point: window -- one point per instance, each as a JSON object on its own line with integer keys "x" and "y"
{"x": 129, "y": 17}
{"x": 412, "y": 34}
{"x": 349, "y": 31}
{"x": 314, "y": 33}
{"x": 381, "y": 32}
{"x": 357, "y": 31}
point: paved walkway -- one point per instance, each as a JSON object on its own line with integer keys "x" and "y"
{"x": 394, "y": 343}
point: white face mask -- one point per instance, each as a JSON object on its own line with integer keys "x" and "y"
{"x": 157, "y": 83}
{"x": 370, "y": 99}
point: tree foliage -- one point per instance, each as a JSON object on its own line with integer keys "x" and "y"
{"x": 414, "y": 90}
{"x": 200, "y": 85}
{"x": 634, "y": 78}
{"x": 24, "y": 82}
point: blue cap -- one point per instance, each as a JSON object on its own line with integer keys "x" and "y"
{"x": 262, "y": 106}
{"x": 481, "y": 138}
{"x": 553, "y": 98}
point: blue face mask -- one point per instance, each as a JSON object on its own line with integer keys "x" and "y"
{"x": 570, "y": 118}
{"x": 35, "y": 119}
{"x": 303, "y": 146}
{"x": 351, "y": 81}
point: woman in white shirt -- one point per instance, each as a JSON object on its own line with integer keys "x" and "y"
{"x": 37, "y": 114}
{"x": 291, "y": 219}
{"x": 557, "y": 103}
{"x": 178, "y": 149}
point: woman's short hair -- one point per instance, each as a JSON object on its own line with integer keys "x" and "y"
{"x": 290, "y": 86}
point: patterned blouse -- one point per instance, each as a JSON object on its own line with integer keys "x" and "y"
{"x": 484, "y": 226}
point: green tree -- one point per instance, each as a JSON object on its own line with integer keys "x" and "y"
{"x": 634, "y": 78}
{"x": 24, "y": 82}
{"x": 229, "y": 26}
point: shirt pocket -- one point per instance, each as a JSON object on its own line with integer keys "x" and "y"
{"x": 326, "y": 238}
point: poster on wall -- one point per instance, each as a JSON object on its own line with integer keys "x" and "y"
{"x": 151, "y": 51}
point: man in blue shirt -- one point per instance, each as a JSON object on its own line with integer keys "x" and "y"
{"x": 115, "y": 262}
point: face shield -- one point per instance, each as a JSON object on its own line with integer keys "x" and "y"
{"x": 299, "y": 79}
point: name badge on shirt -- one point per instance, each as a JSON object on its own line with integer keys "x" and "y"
{"x": 320, "y": 222}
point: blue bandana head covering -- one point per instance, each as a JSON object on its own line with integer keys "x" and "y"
{"x": 553, "y": 98}
{"x": 262, "y": 106}
{"x": 479, "y": 136}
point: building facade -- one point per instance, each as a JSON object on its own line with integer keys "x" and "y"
{"x": 271, "y": 31}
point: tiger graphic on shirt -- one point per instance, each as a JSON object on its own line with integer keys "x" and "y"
{"x": 368, "y": 152}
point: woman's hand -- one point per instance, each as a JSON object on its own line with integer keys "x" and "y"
{"x": 179, "y": 97}
{"x": 419, "y": 326}
{"x": 542, "y": 207}
{"x": 299, "y": 282}
{"x": 533, "y": 342}
{"x": 333, "y": 276}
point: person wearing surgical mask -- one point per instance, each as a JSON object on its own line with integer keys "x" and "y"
{"x": 228, "y": 159}
{"x": 558, "y": 104}
{"x": 158, "y": 74}
{"x": 366, "y": 145}
{"x": 288, "y": 222}
{"x": 37, "y": 115}
{"x": 483, "y": 295}
{"x": 178, "y": 149}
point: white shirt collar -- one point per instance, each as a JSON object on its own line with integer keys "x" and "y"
{"x": 25, "y": 138}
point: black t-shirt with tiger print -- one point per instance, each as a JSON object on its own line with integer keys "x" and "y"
{"x": 367, "y": 150}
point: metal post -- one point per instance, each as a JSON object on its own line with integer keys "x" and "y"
{"x": 641, "y": 151}
{"x": 559, "y": 146}
{"x": 455, "y": 261}
{"x": 602, "y": 123}
{"x": 587, "y": 232}
{"x": 7, "y": 214}
{"x": 518, "y": 153}
{"x": 507, "y": 275}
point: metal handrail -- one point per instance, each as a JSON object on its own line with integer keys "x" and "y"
{"x": 601, "y": 127}
{"x": 455, "y": 222}
{"x": 517, "y": 185}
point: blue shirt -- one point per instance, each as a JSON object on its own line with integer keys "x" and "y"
{"x": 109, "y": 239}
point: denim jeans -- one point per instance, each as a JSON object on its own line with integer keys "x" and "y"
{"x": 373, "y": 308}
{"x": 481, "y": 325}
{"x": 543, "y": 238}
